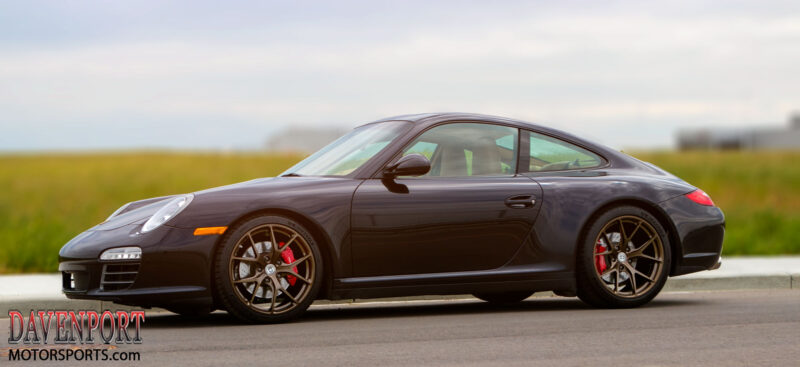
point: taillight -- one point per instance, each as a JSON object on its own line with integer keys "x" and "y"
{"x": 700, "y": 197}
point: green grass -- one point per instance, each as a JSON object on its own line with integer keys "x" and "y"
{"x": 46, "y": 199}
{"x": 759, "y": 193}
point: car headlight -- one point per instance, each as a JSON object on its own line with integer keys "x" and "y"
{"x": 167, "y": 212}
{"x": 122, "y": 253}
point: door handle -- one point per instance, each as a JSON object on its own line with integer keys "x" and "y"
{"x": 521, "y": 201}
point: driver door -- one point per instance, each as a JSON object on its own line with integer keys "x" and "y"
{"x": 470, "y": 212}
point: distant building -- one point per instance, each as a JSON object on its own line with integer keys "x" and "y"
{"x": 752, "y": 139}
{"x": 302, "y": 140}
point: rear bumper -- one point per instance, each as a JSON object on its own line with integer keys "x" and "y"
{"x": 699, "y": 231}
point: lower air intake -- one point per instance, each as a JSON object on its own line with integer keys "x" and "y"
{"x": 117, "y": 277}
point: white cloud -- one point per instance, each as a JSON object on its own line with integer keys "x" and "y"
{"x": 594, "y": 72}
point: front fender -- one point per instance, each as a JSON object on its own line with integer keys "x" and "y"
{"x": 323, "y": 202}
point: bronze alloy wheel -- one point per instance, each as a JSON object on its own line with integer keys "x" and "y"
{"x": 624, "y": 259}
{"x": 271, "y": 269}
{"x": 628, "y": 256}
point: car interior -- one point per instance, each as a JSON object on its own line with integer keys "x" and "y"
{"x": 474, "y": 151}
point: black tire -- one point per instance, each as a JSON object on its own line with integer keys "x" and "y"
{"x": 504, "y": 297}
{"x": 654, "y": 265}
{"x": 231, "y": 299}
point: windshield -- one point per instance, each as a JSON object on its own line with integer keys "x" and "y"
{"x": 349, "y": 152}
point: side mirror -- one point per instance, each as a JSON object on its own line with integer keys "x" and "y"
{"x": 410, "y": 165}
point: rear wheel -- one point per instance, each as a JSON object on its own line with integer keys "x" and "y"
{"x": 624, "y": 260}
{"x": 268, "y": 270}
{"x": 504, "y": 297}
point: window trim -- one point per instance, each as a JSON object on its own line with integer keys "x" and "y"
{"x": 605, "y": 163}
{"x": 524, "y": 159}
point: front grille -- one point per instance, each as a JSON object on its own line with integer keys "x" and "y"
{"x": 117, "y": 277}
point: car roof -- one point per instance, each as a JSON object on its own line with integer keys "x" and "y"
{"x": 433, "y": 118}
{"x": 448, "y": 116}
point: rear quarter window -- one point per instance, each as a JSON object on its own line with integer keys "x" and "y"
{"x": 551, "y": 154}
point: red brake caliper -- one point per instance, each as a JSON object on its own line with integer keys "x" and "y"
{"x": 600, "y": 260}
{"x": 288, "y": 258}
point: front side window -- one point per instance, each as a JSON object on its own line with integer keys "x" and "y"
{"x": 349, "y": 152}
{"x": 468, "y": 149}
{"x": 551, "y": 154}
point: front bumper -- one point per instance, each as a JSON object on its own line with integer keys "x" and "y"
{"x": 717, "y": 265}
{"x": 174, "y": 267}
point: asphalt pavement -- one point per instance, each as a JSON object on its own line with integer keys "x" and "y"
{"x": 37, "y": 291}
{"x": 723, "y": 328}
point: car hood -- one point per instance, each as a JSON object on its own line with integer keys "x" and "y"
{"x": 140, "y": 210}
{"x": 271, "y": 184}
{"x": 302, "y": 195}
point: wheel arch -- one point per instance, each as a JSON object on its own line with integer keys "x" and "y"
{"x": 653, "y": 209}
{"x": 316, "y": 231}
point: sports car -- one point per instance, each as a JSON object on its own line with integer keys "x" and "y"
{"x": 425, "y": 204}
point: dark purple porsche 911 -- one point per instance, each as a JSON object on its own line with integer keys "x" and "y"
{"x": 444, "y": 203}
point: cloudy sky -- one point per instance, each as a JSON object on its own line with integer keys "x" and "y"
{"x": 224, "y": 75}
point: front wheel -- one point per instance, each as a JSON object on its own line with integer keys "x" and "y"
{"x": 268, "y": 269}
{"x": 624, "y": 260}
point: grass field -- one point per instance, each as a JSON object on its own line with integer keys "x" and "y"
{"x": 759, "y": 193}
{"x": 47, "y": 199}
